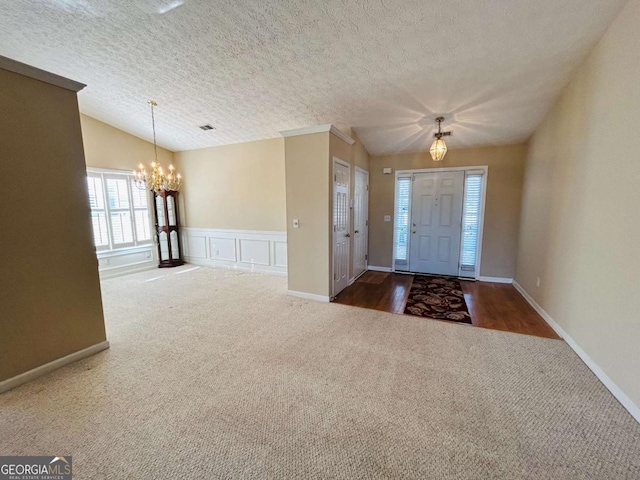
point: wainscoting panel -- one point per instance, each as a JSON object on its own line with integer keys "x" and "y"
{"x": 242, "y": 249}
{"x": 255, "y": 252}
{"x": 280, "y": 254}
{"x": 129, "y": 260}
{"x": 223, "y": 249}
{"x": 197, "y": 245}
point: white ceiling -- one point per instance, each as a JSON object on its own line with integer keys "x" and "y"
{"x": 254, "y": 68}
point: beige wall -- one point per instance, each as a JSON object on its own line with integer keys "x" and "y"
{"x": 502, "y": 211}
{"x": 309, "y": 163}
{"x": 308, "y": 247}
{"x": 50, "y": 303}
{"x": 360, "y": 155}
{"x": 108, "y": 147}
{"x": 238, "y": 186}
{"x": 580, "y": 222}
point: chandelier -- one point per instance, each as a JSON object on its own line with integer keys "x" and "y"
{"x": 157, "y": 180}
{"x": 439, "y": 148}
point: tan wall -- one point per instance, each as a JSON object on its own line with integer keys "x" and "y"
{"x": 360, "y": 155}
{"x": 238, "y": 186}
{"x": 50, "y": 304}
{"x": 502, "y": 211}
{"x": 108, "y": 147}
{"x": 580, "y": 228}
{"x": 309, "y": 162}
{"x": 307, "y": 179}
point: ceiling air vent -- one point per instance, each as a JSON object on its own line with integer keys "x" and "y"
{"x": 207, "y": 127}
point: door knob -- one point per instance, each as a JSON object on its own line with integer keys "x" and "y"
{"x": 413, "y": 231}
{"x": 357, "y": 231}
{"x": 347, "y": 234}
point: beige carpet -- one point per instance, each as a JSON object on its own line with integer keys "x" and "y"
{"x": 230, "y": 378}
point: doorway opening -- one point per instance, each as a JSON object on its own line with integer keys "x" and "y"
{"x": 439, "y": 215}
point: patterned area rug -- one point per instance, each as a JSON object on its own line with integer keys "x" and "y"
{"x": 437, "y": 297}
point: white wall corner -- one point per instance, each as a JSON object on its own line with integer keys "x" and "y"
{"x": 25, "y": 377}
{"x": 622, "y": 397}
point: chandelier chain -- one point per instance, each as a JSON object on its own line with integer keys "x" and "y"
{"x": 153, "y": 126}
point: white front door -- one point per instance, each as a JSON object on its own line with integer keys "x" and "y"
{"x": 436, "y": 222}
{"x": 360, "y": 221}
{"x": 341, "y": 235}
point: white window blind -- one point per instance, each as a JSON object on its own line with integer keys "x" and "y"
{"x": 98, "y": 212}
{"x": 119, "y": 211}
{"x": 471, "y": 222}
{"x": 403, "y": 195}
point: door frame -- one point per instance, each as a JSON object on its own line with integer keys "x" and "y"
{"x": 338, "y": 160}
{"x": 467, "y": 170}
{"x": 366, "y": 261}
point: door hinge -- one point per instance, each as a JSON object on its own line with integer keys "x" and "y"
{"x": 366, "y": 223}
{"x": 366, "y": 257}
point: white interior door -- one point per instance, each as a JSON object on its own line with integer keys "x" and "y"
{"x": 436, "y": 222}
{"x": 341, "y": 231}
{"x": 360, "y": 221}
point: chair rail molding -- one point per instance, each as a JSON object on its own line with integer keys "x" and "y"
{"x": 253, "y": 250}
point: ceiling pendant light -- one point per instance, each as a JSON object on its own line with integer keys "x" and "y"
{"x": 157, "y": 180}
{"x": 439, "y": 147}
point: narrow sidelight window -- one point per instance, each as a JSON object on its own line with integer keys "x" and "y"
{"x": 403, "y": 197}
{"x": 471, "y": 224}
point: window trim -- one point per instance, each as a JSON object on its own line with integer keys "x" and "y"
{"x": 113, "y": 248}
{"x": 476, "y": 169}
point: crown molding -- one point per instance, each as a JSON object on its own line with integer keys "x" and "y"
{"x": 319, "y": 129}
{"x": 41, "y": 75}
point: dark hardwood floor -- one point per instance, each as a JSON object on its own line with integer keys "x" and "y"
{"x": 496, "y": 306}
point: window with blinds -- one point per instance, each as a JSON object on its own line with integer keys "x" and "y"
{"x": 403, "y": 200}
{"x": 471, "y": 223}
{"x": 119, "y": 211}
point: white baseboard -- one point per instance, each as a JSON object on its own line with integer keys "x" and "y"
{"x": 309, "y": 296}
{"x": 25, "y": 377}
{"x": 496, "y": 279}
{"x": 379, "y": 269}
{"x": 624, "y": 400}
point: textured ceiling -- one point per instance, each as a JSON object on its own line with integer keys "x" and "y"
{"x": 254, "y": 68}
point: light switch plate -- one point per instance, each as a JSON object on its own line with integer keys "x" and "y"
{"x": 386, "y": 171}
{"x": 296, "y": 223}
{"x": 387, "y": 218}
